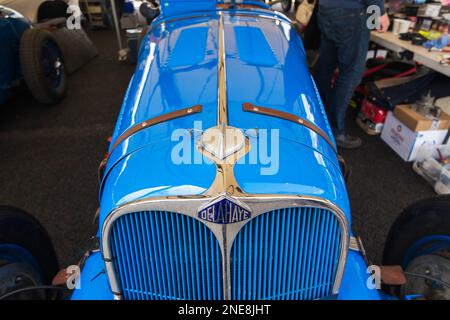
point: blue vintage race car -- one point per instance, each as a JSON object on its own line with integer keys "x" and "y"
{"x": 233, "y": 71}
{"x": 223, "y": 180}
{"x": 29, "y": 55}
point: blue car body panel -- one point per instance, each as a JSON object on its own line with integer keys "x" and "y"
{"x": 93, "y": 282}
{"x": 354, "y": 283}
{"x": 177, "y": 69}
{"x": 12, "y": 26}
{"x": 167, "y": 79}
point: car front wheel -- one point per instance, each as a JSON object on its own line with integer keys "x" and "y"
{"x": 42, "y": 65}
{"x": 27, "y": 257}
{"x": 419, "y": 241}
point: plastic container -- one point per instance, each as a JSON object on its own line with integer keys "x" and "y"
{"x": 435, "y": 172}
{"x": 401, "y": 26}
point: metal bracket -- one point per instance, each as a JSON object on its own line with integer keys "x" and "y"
{"x": 355, "y": 244}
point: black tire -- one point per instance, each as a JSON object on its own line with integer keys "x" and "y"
{"x": 149, "y": 12}
{"x": 41, "y": 82}
{"x": 52, "y": 9}
{"x": 286, "y": 5}
{"x": 20, "y": 228}
{"x": 424, "y": 218}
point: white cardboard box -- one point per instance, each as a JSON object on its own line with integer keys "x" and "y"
{"x": 406, "y": 142}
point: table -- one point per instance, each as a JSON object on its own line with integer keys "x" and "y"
{"x": 421, "y": 55}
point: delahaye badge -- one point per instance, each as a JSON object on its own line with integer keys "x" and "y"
{"x": 224, "y": 210}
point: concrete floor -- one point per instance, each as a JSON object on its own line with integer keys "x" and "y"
{"x": 49, "y": 158}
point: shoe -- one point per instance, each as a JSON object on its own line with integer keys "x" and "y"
{"x": 347, "y": 141}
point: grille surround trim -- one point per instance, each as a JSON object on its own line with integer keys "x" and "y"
{"x": 225, "y": 234}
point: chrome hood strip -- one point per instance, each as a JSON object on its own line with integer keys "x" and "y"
{"x": 222, "y": 101}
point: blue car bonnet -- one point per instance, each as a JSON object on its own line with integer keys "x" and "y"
{"x": 178, "y": 68}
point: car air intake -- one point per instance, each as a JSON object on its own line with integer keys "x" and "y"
{"x": 164, "y": 255}
{"x": 290, "y": 253}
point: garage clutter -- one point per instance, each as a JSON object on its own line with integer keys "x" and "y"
{"x": 406, "y": 102}
{"x": 418, "y": 131}
{"x": 433, "y": 164}
{"x": 425, "y": 24}
{"x": 409, "y": 107}
{"x": 405, "y": 138}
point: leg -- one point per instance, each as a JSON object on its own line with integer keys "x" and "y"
{"x": 325, "y": 66}
{"x": 352, "y": 53}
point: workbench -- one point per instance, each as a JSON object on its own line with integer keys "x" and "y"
{"x": 420, "y": 54}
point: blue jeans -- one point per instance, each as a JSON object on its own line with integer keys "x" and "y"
{"x": 344, "y": 44}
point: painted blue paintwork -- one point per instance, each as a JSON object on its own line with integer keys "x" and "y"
{"x": 354, "y": 282}
{"x": 166, "y": 80}
{"x": 12, "y": 27}
{"x": 177, "y": 68}
{"x": 93, "y": 281}
{"x": 174, "y": 7}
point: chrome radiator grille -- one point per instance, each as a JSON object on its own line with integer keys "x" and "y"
{"x": 289, "y": 253}
{"x": 163, "y": 255}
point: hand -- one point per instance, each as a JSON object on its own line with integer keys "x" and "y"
{"x": 384, "y": 23}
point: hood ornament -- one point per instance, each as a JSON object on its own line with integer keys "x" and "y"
{"x": 222, "y": 141}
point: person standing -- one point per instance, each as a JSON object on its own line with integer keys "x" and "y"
{"x": 345, "y": 35}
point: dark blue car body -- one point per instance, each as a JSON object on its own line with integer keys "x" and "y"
{"x": 12, "y": 26}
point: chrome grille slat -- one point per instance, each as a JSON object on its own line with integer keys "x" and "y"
{"x": 299, "y": 239}
{"x": 155, "y": 262}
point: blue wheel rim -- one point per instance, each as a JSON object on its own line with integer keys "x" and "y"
{"x": 13, "y": 253}
{"x": 424, "y": 246}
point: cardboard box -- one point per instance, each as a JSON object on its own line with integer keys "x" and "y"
{"x": 406, "y": 142}
{"x": 417, "y": 122}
